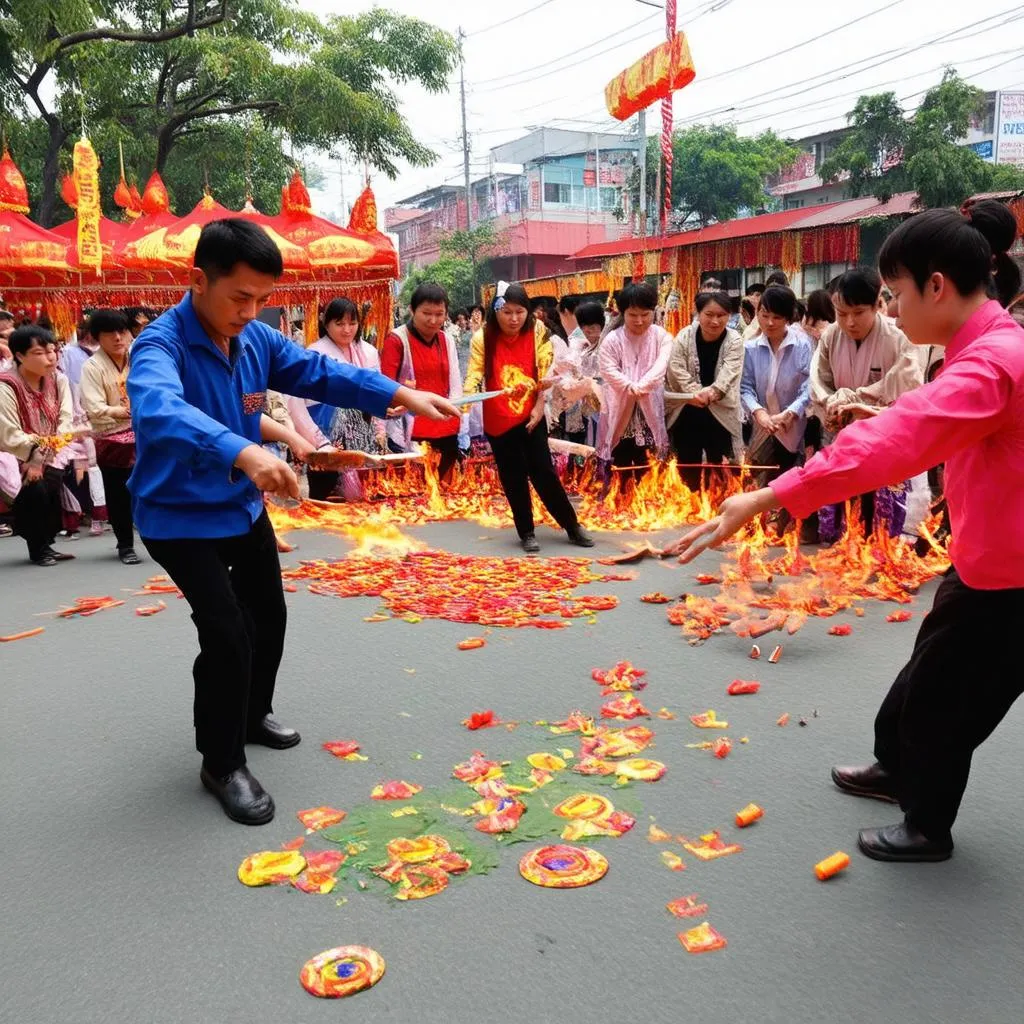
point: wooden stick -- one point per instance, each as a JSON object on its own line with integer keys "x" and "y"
{"x": 696, "y": 465}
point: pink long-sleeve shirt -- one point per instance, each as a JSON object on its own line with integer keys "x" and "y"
{"x": 972, "y": 418}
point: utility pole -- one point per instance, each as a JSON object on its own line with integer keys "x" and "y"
{"x": 641, "y": 151}
{"x": 465, "y": 154}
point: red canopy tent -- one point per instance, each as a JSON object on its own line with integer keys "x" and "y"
{"x": 29, "y": 255}
{"x": 147, "y": 262}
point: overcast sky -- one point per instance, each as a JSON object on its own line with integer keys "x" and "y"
{"x": 796, "y": 67}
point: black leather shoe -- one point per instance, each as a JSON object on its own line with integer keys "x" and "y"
{"x": 45, "y": 560}
{"x": 902, "y": 842}
{"x": 128, "y": 556}
{"x": 580, "y": 539}
{"x": 530, "y": 545}
{"x": 59, "y": 556}
{"x": 242, "y": 797}
{"x": 271, "y": 733}
{"x": 867, "y": 780}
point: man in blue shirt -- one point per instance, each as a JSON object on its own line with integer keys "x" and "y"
{"x": 197, "y": 387}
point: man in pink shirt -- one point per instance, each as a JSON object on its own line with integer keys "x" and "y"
{"x": 939, "y": 265}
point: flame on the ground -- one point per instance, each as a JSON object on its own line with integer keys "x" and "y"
{"x": 411, "y": 495}
{"x": 767, "y": 583}
{"x": 754, "y": 601}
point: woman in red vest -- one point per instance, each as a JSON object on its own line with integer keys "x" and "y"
{"x": 421, "y": 352}
{"x": 510, "y": 354}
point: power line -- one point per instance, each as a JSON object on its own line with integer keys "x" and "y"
{"x": 515, "y": 17}
{"x": 806, "y": 42}
{"x": 799, "y": 86}
{"x": 571, "y": 61}
{"x": 800, "y": 90}
{"x": 967, "y": 78}
{"x": 547, "y": 64}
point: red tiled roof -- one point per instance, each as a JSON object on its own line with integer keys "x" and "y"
{"x": 765, "y": 224}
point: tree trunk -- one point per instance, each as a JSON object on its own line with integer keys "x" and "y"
{"x": 51, "y": 170}
{"x": 164, "y": 144}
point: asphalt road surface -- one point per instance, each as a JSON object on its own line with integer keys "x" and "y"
{"x": 121, "y": 902}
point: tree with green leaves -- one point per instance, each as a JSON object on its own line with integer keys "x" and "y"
{"x": 461, "y": 265}
{"x": 198, "y": 75}
{"x": 886, "y": 152}
{"x": 871, "y": 153}
{"x": 715, "y": 172}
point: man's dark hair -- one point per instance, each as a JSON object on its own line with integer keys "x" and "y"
{"x": 747, "y": 307}
{"x": 779, "y": 300}
{"x": 107, "y": 320}
{"x": 859, "y": 287}
{"x": 590, "y": 314}
{"x": 778, "y": 277}
{"x": 638, "y": 295}
{"x": 569, "y": 303}
{"x": 223, "y": 244}
{"x": 429, "y": 291}
{"x": 23, "y": 338}
{"x": 6, "y": 314}
{"x": 756, "y": 288}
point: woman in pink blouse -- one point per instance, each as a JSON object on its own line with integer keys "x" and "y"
{"x": 964, "y": 673}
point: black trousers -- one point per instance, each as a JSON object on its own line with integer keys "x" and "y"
{"x": 523, "y": 457}
{"x": 782, "y": 457}
{"x": 36, "y": 512}
{"x": 233, "y": 585}
{"x": 631, "y": 458}
{"x": 321, "y": 483}
{"x": 119, "y": 505}
{"x": 448, "y": 447}
{"x": 962, "y": 678}
{"x": 698, "y": 437}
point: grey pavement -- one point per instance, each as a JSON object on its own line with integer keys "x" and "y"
{"x": 120, "y": 901}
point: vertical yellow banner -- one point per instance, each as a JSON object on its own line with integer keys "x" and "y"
{"x": 87, "y": 184}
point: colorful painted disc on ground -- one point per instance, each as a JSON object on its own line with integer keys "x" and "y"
{"x": 584, "y": 805}
{"x": 342, "y": 971}
{"x": 563, "y": 867}
{"x": 270, "y": 867}
{"x": 417, "y": 851}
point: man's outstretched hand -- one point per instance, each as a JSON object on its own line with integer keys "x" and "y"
{"x": 267, "y": 472}
{"x": 735, "y": 513}
{"x": 424, "y": 403}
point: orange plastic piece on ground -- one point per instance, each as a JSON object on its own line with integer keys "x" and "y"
{"x": 831, "y": 866}
{"x": 748, "y": 815}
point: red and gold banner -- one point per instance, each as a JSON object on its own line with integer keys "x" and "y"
{"x": 86, "y": 175}
{"x": 658, "y": 74}
{"x": 13, "y": 191}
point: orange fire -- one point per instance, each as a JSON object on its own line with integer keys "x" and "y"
{"x": 411, "y": 495}
{"x": 753, "y": 600}
{"x": 767, "y": 584}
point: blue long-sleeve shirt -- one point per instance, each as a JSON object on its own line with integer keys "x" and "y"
{"x": 787, "y": 374}
{"x": 194, "y": 410}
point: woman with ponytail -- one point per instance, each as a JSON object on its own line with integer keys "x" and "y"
{"x": 511, "y": 355}
{"x": 946, "y": 269}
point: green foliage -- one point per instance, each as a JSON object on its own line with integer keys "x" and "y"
{"x": 934, "y": 164}
{"x": 461, "y": 251}
{"x": 877, "y": 137}
{"x": 225, "y": 82}
{"x": 453, "y": 273}
{"x": 715, "y": 172}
